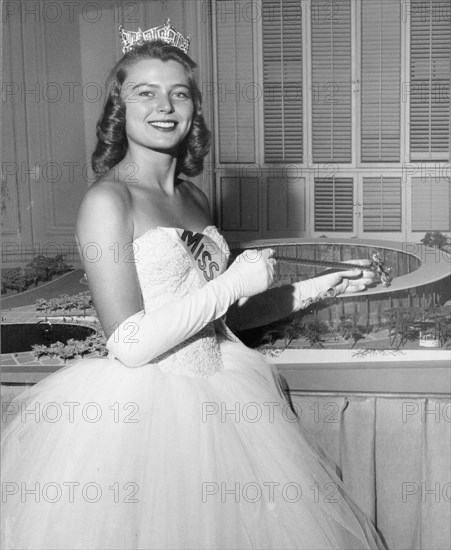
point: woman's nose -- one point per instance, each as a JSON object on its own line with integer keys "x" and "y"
{"x": 165, "y": 104}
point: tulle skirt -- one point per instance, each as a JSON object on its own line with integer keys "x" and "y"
{"x": 101, "y": 456}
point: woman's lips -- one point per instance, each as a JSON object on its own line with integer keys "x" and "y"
{"x": 163, "y": 125}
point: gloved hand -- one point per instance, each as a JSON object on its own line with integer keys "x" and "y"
{"x": 330, "y": 285}
{"x": 146, "y": 335}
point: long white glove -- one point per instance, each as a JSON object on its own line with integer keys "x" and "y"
{"x": 331, "y": 285}
{"x": 144, "y": 336}
{"x": 309, "y": 291}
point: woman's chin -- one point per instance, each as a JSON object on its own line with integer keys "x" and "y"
{"x": 169, "y": 149}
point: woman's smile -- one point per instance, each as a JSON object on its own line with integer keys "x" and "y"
{"x": 163, "y": 125}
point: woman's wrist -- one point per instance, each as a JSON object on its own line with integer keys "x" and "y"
{"x": 310, "y": 291}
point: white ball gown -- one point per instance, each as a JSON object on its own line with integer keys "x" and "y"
{"x": 194, "y": 450}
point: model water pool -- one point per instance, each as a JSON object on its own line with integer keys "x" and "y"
{"x": 420, "y": 274}
{"x": 20, "y": 337}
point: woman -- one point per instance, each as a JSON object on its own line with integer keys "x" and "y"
{"x": 156, "y": 446}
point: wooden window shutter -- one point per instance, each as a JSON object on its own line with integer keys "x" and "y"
{"x": 239, "y": 203}
{"x": 429, "y": 79}
{"x": 430, "y": 204}
{"x": 334, "y": 198}
{"x": 236, "y": 89}
{"x": 282, "y": 80}
{"x": 285, "y": 198}
{"x": 331, "y": 80}
{"x": 380, "y": 80}
{"x": 382, "y": 206}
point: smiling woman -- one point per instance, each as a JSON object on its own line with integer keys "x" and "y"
{"x": 156, "y": 466}
{"x": 125, "y": 85}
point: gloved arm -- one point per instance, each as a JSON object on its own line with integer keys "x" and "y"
{"x": 144, "y": 336}
{"x": 330, "y": 285}
{"x": 280, "y": 302}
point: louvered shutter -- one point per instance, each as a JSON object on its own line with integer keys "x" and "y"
{"x": 331, "y": 80}
{"x": 236, "y": 88}
{"x": 382, "y": 207}
{"x": 285, "y": 203}
{"x": 282, "y": 80}
{"x": 429, "y": 79}
{"x": 334, "y": 204}
{"x": 430, "y": 204}
{"x": 380, "y": 80}
{"x": 239, "y": 203}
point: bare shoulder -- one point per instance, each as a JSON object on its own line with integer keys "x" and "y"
{"x": 107, "y": 203}
{"x": 198, "y": 195}
{"x": 104, "y": 235}
{"x": 106, "y": 193}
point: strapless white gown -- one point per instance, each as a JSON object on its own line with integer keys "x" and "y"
{"x": 196, "y": 450}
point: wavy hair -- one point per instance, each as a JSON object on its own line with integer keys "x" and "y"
{"x": 112, "y": 143}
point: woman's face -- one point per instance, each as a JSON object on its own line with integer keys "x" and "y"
{"x": 159, "y": 106}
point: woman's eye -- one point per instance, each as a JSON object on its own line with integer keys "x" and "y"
{"x": 177, "y": 95}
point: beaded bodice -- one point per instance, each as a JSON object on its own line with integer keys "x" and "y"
{"x": 170, "y": 262}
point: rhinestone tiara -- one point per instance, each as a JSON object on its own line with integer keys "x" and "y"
{"x": 165, "y": 32}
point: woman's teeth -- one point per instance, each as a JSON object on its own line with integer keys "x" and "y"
{"x": 162, "y": 124}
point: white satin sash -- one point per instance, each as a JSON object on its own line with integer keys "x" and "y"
{"x": 205, "y": 255}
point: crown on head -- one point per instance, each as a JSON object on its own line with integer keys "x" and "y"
{"x": 165, "y": 32}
